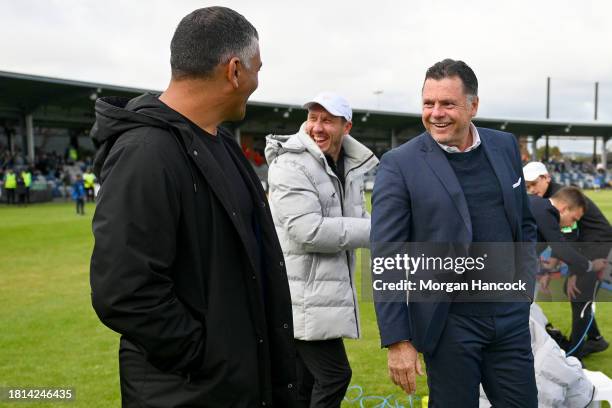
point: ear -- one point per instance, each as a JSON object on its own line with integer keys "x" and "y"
{"x": 474, "y": 105}
{"x": 232, "y": 72}
{"x": 347, "y": 127}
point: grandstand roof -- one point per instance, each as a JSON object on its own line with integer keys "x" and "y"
{"x": 64, "y": 103}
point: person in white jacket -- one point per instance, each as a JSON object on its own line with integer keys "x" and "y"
{"x": 560, "y": 379}
{"x": 318, "y": 206}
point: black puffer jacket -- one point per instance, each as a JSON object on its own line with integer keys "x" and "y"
{"x": 170, "y": 269}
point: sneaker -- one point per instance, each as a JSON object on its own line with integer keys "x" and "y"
{"x": 595, "y": 345}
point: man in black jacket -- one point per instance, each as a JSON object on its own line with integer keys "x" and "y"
{"x": 562, "y": 209}
{"x": 187, "y": 266}
{"x": 593, "y": 237}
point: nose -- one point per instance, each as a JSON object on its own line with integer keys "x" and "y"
{"x": 437, "y": 111}
{"x": 317, "y": 126}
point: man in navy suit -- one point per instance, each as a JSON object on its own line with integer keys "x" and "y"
{"x": 456, "y": 183}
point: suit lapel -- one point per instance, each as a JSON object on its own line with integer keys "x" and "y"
{"x": 437, "y": 161}
{"x": 505, "y": 181}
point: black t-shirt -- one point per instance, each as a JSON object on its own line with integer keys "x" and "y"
{"x": 337, "y": 167}
{"x": 236, "y": 185}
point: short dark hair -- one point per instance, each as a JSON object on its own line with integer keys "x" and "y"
{"x": 208, "y": 37}
{"x": 449, "y": 68}
{"x": 572, "y": 196}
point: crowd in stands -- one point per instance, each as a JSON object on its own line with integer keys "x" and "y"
{"x": 58, "y": 171}
{"x": 583, "y": 175}
{"x": 52, "y": 171}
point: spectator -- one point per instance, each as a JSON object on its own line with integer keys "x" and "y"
{"x": 10, "y": 185}
{"x": 593, "y": 234}
{"x": 316, "y": 199}
{"x": 21, "y": 189}
{"x": 26, "y": 175}
{"x": 564, "y": 208}
{"x": 89, "y": 180}
{"x": 78, "y": 195}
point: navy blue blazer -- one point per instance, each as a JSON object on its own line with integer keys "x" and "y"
{"x": 417, "y": 198}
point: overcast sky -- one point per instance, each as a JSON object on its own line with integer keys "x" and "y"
{"x": 351, "y": 47}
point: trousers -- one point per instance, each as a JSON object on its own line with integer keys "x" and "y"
{"x": 323, "y": 373}
{"x": 492, "y": 350}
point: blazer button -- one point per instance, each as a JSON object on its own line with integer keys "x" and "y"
{"x": 263, "y": 204}
{"x": 253, "y": 277}
{"x": 286, "y": 326}
{"x": 281, "y": 263}
{"x": 260, "y": 341}
{"x": 289, "y": 385}
{"x": 195, "y": 152}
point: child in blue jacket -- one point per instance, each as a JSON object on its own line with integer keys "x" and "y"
{"x": 78, "y": 195}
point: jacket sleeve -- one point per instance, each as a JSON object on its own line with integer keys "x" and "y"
{"x": 391, "y": 219}
{"x": 296, "y": 204}
{"x": 135, "y": 227}
{"x": 551, "y": 232}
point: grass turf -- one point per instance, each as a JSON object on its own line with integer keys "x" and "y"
{"x": 50, "y": 336}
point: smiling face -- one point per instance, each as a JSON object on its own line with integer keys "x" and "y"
{"x": 246, "y": 82}
{"x": 448, "y": 111}
{"x": 326, "y": 130}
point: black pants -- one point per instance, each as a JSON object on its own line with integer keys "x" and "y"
{"x": 581, "y": 312}
{"x": 323, "y": 373}
{"x": 80, "y": 206}
{"x": 10, "y": 195}
{"x": 90, "y": 194}
{"x": 492, "y": 350}
{"x": 145, "y": 386}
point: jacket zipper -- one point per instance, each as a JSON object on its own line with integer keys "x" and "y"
{"x": 348, "y": 258}
{"x": 356, "y": 167}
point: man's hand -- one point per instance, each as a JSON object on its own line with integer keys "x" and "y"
{"x": 550, "y": 263}
{"x": 544, "y": 280}
{"x": 572, "y": 289}
{"x": 599, "y": 265}
{"x": 403, "y": 363}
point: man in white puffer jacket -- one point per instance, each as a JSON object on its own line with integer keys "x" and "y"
{"x": 318, "y": 206}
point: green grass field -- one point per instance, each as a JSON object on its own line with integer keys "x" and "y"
{"x": 50, "y": 336}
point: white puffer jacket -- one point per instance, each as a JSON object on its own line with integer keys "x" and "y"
{"x": 319, "y": 225}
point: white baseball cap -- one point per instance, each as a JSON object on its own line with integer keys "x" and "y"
{"x": 333, "y": 103}
{"x": 533, "y": 170}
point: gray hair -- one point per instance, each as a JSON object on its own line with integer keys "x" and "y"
{"x": 208, "y": 37}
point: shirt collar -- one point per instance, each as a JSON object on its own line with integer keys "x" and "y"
{"x": 475, "y": 142}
